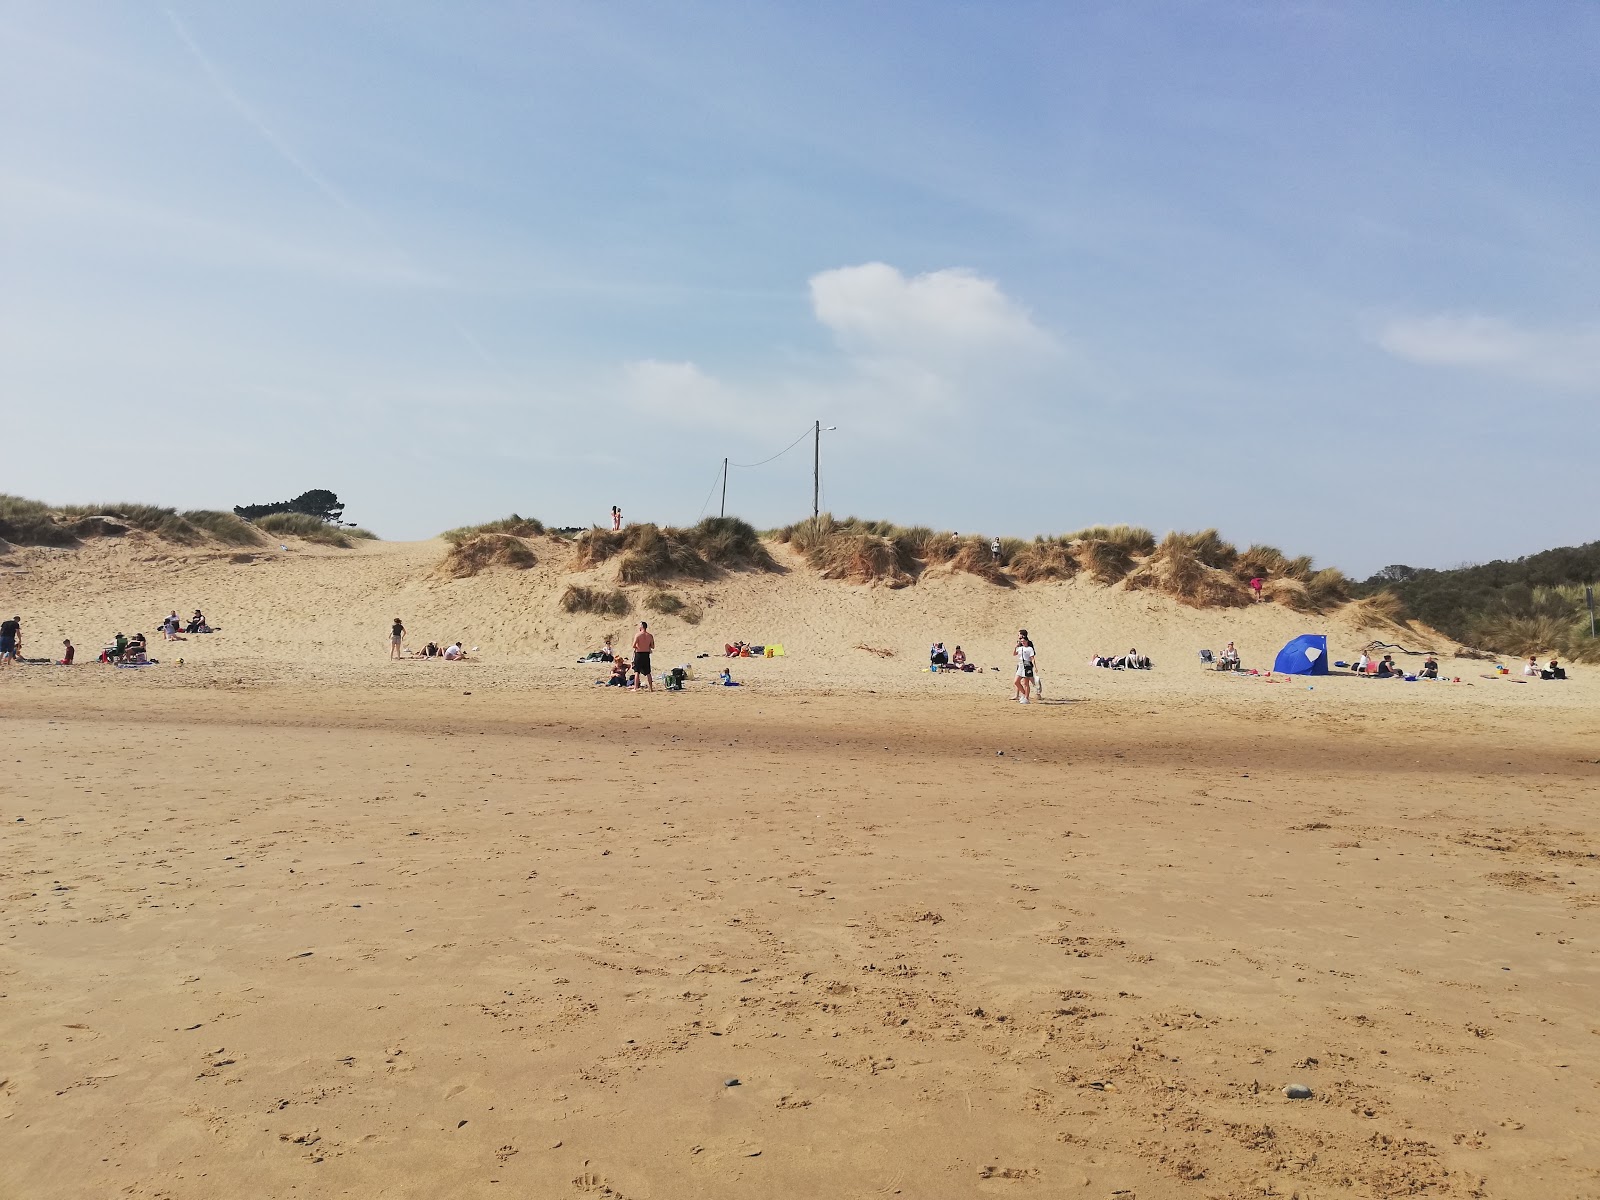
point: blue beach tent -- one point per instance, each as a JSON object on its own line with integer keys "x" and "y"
{"x": 1305, "y": 655}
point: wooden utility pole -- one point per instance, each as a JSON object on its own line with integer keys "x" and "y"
{"x": 723, "y": 511}
{"x": 816, "y": 474}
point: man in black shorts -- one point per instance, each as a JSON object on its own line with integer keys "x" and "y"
{"x": 643, "y": 643}
{"x": 10, "y": 640}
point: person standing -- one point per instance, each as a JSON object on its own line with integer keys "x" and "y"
{"x": 616, "y": 519}
{"x": 10, "y": 640}
{"x": 643, "y": 643}
{"x": 1255, "y": 586}
{"x": 1024, "y": 655}
{"x": 994, "y": 550}
{"x": 397, "y": 635}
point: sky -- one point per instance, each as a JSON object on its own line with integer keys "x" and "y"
{"x": 1322, "y": 275}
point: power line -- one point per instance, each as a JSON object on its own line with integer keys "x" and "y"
{"x": 779, "y": 454}
{"x": 715, "y": 479}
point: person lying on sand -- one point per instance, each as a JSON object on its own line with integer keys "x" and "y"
{"x": 736, "y": 650}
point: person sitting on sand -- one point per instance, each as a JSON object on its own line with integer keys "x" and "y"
{"x": 1532, "y": 669}
{"x": 1135, "y": 661}
{"x": 727, "y": 678}
{"x": 68, "y": 653}
{"x": 1361, "y": 664}
{"x": 135, "y": 651}
{"x": 937, "y": 658}
{"x": 1554, "y": 671}
{"x": 197, "y": 623}
{"x": 1389, "y": 669}
{"x": 619, "y": 673}
{"x": 1430, "y": 668}
{"x": 959, "y": 659}
{"x": 1228, "y": 660}
{"x": 454, "y": 653}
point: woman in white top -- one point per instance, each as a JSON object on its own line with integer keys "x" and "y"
{"x": 1024, "y": 655}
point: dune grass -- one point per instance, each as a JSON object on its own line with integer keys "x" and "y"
{"x": 1109, "y": 552}
{"x": 606, "y": 602}
{"x": 672, "y": 605}
{"x": 477, "y": 554}
{"x": 311, "y": 529}
{"x": 1044, "y": 558}
{"x": 1189, "y": 567}
{"x": 649, "y": 553}
{"x": 31, "y": 523}
{"x": 515, "y": 526}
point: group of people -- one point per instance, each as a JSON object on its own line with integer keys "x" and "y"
{"x": 1387, "y": 668}
{"x": 1554, "y": 671}
{"x": 941, "y": 660}
{"x": 640, "y": 677}
{"x": 1131, "y": 661}
{"x": 450, "y": 652}
{"x": 123, "y": 651}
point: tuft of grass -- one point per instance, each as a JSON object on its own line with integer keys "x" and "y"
{"x": 310, "y": 529}
{"x": 474, "y": 555}
{"x": 225, "y": 527}
{"x": 727, "y": 543}
{"x": 854, "y": 550}
{"x": 1109, "y": 553}
{"x": 672, "y": 605}
{"x": 1328, "y": 588}
{"x": 975, "y": 558}
{"x": 1044, "y": 558}
{"x": 1260, "y": 561}
{"x": 26, "y": 522}
{"x": 1179, "y": 567}
{"x": 1380, "y": 608}
{"x": 605, "y": 602}
{"x": 514, "y": 526}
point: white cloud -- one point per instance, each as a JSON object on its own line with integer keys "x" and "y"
{"x": 911, "y": 351}
{"x": 876, "y": 309}
{"x": 1568, "y": 358}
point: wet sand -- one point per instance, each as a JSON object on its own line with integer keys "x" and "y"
{"x": 281, "y": 937}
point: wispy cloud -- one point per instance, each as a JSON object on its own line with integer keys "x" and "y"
{"x": 1559, "y": 357}
{"x": 875, "y": 309}
{"x": 254, "y": 119}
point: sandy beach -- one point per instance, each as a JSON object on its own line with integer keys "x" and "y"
{"x": 292, "y": 920}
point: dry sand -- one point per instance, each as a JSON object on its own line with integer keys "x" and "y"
{"x": 336, "y": 927}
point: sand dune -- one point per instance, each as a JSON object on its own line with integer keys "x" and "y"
{"x": 292, "y": 919}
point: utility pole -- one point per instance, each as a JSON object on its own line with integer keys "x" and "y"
{"x": 816, "y": 474}
{"x": 724, "y": 510}
{"x": 1588, "y": 594}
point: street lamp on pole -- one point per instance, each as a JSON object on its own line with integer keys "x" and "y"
{"x": 816, "y": 472}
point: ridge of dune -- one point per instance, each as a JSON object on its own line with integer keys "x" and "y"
{"x": 328, "y": 604}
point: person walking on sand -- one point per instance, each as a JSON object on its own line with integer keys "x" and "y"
{"x": 616, "y": 519}
{"x": 1255, "y": 586}
{"x": 397, "y": 636}
{"x": 10, "y": 640}
{"x": 1024, "y": 656}
{"x": 643, "y": 643}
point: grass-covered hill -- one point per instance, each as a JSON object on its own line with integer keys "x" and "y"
{"x": 1529, "y": 605}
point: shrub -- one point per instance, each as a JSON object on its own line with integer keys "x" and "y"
{"x": 515, "y": 526}
{"x": 606, "y": 603}
{"x": 1327, "y": 589}
{"x": 651, "y": 554}
{"x": 467, "y": 558}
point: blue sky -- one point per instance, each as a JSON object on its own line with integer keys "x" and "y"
{"x": 1321, "y": 275}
